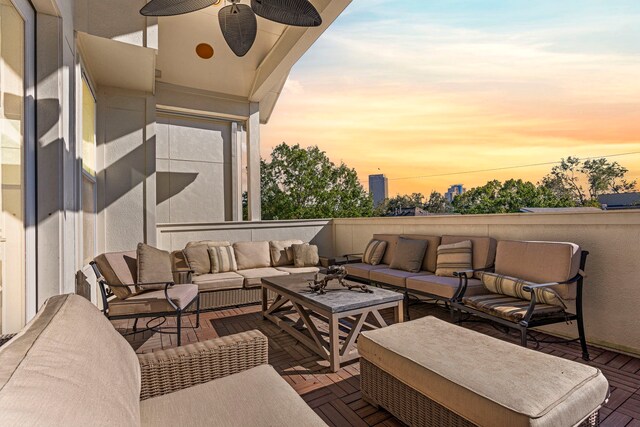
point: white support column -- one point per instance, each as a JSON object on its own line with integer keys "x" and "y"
{"x": 236, "y": 173}
{"x": 253, "y": 162}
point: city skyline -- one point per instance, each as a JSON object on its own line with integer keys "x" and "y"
{"x": 441, "y": 87}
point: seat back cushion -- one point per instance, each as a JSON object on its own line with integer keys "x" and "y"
{"x": 210, "y": 243}
{"x": 223, "y": 259}
{"x": 252, "y": 255}
{"x": 119, "y": 268}
{"x": 431, "y": 256}
{"x": 374, "y": 252}
{"x": 392, "y": 241}
{"x": 505, "y": 285}
{"x": 69, "y": 366}
{"x": 540, "y": 262}
{"x": 305, "y": 255}
{"x": 154, "y": 266}
{"x": 409, "y": 255}
{"x": 198, "y": 258}
{"x": 484, "y": 250}
{"x": 281, "y": 252}
{"x": 454, "y": 257}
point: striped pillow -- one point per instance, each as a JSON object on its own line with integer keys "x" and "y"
{"x": 223, "y": 259}
{"x": 374, "y": 252}
{"x": 505, "y": 285}
{"x": 454, "y": 257}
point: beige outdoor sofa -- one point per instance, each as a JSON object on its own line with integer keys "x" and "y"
{"x": 69, "y": 367}
{"x": 255, "y": 260}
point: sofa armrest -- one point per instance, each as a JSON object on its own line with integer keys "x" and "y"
{"x": 166, "y": 371}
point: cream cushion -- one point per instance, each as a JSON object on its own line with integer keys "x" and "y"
{"x": 214, "y": 282}
{"x": 154, "y": 266}
{"x": 483, "y": 379}
{"x": 154, "y": 301}
{"x": 394, "y": 277}
{"x": 444, "y": 287}
{"x": 374, "y": 252}
{"x": 431, "y": 256}
{"x": 454, "y": 257}
{"x": 77, "y": 370}
{"x": 252, "y": 255}
{"x": 209, "y": 243}
{"x": 484, "y": 250}
{"x": 119, "y": 268}
{"x": 256, "y": 397}
{"x": 198, "y": 258}
{"x": 392, "y": 241}
{"x": 223, "y": 259}
{"x": 409, "y": 254}
{"x": 298, "y": 270}
{"x": 305, "y": 255}
{"x": 281, "y": 252}
{"x": 253, "y": 276}
{"x": 362, "y": 270}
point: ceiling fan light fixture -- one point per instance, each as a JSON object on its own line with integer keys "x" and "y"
{"x": 174, "y": 7}
{"x": 299, "y": 13}
{"x": 239, "y": 27}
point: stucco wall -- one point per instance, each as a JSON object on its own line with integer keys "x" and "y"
{"x": 612, "y": 286}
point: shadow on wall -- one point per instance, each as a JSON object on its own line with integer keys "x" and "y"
{"x": 170, "y": 184}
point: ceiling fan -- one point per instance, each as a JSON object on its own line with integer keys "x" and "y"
{"x": 238, "y": 21}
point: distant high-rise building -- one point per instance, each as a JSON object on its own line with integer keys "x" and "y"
{"x": 378, "y": 188}
{"x": 454, "y": 190}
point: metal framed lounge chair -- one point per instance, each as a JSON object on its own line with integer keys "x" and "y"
{"x": 123, "y": 297}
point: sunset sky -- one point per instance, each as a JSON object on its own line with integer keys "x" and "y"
{"x": 420, "y": 88}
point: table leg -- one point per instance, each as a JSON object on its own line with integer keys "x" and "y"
{"x": 264, "y": 301}
{"x": 334, "y": 343}
{"x": 399, "y": 312}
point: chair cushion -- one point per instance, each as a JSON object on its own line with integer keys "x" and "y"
{"x": 409, "y": 254}
{"x": 484, "y": 250}
{"x": 454, "y": 257}
{"x": 305, "y": 255}
{"x": 392, "y": 241}
{"x": 214, "y": 282}
{"x": 485, "y": 380}
{"x": 154, "y": 266}
{"x": 257, "y": 397}
{"x": 281, "y": 252}
{"x": 69, "y": 366}
{"x": 374, "y": 252}
{"x": 431, "y": 255}
{"x": 198, "y": 258}
{"x": 390, "y": 276}
{"x": 119, "y": 268}
{"x": 510, "y": 308}
{"x": 444, "y": 287}
{"x": 298, "y": 270}
{"x": 253, "y": 276}
{"x": 540, "y": 262}
{"x": 223, "y": 259}
{"x": 363, "y": 270}
{"x": 154, "y": 301}
{"x": 209, "y": 243}
{"x": 252, "y": 255}
{"x": 510, "y": 286}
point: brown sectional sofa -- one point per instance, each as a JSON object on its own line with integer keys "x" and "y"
{"x": 255, "y": 260}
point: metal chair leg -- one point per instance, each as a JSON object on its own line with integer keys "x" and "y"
{"x": 179, "y": 320}
{"x": 523, "y": 336}
{"x": 406, "y": 305}
{"x": 581, "y": 334}
{"x": 135, "y": 325}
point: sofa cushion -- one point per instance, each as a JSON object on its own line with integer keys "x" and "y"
{"x": 154, "y": 301}
{"x": 484, "y": 250}
{"x": 223, "y": 259}
{"x": 256, "y": 397}
{"x": 298, "y": 270}
{"x": 454, "y": 257}
{"x": 444, "y": 287}
{"x": 209, "y": 243}
{"x": 281, "y": 252}
{"x": 431, "y": 256}
{"x": 481, "y": 378}
{"x": 198, "y": 258}
{"x": 253, "y": 276}
{"x": 305, "y": 255}
{"x": 252, "y": 255}
{"x": 214, "y": 282}
{"x": 510, "y": 308}
{"x": 154, "y": 266}
{"x": 69, "y": 366}
{"x": 540, "y": 262}
{"x": 409, "y": 255}
{"x": 392, "y": 241}
{"x": 362, "y": 270}
{"x": 394, "y": 277}
{"x": 374, "y": 252}
{"x": 119, "y": 268}
{"x": 505, "y": 285}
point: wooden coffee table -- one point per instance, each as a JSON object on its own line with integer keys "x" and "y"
{"x": 340, "y": 308}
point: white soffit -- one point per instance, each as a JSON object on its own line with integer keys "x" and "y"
{"x": 117, "y": 64}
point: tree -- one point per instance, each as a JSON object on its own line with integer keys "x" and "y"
{"x": 390, "y": 206}
{"x": 302, "y": 183}
{"x": 437, "y": 204}
{"x": 601, "y": 176}
{"x": 510, "y": 196}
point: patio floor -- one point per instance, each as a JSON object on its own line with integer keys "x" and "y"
{"x": 336, "y": 396}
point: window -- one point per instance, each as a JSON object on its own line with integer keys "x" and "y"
{"x": 88, "y": 182}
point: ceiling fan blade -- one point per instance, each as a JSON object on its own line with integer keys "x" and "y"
{"x": 174, "y": 7}
{"x": 300, "y": 13}
{"x": 239, "y": 27}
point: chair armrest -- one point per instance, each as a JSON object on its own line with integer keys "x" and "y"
{"x": 183, "y": 276}
{"x": 463, "y": 275}
{"x": 166, "y": 371}
{"x": 530, "y": 288}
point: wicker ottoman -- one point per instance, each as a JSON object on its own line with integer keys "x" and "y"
{"x": 431, "y": 373}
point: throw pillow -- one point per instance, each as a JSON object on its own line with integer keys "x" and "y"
{"x": 223, "y": 259}
{"x": 374, "y": 252}
{"x": 154, "y": 266}
{"x": 198, "y": 258}
{"x": 305, "y": 255}
{"x": 454, "y": 257}
{"x": 505, "y": 285}
{"x": 409, "y": 255}
{"x": 281, "y": 252}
